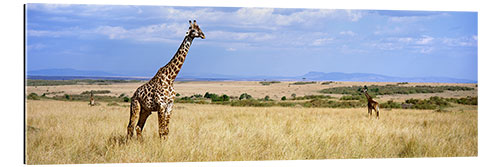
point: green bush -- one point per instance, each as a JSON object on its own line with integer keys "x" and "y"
{"x": 303, "y": 83}
{"x": 393, "y": 89}
{"x": 283, "y": 98}
{"x": 326, "y": 83}
{"x": 432, "y": 103}
{"x": 332, "y": 104}
{"x": 353, "y": 97}
{"x": 126, "y": 99}
{"x": 464, "y": 100}
{"x": 245, "y": 96}
{"x": 33, "y": 96}
{"x": 265, "y": 83}
{"x": 306, "y": 97}
{"x": 390, "y": 104}
{"x": 96, "y": 92}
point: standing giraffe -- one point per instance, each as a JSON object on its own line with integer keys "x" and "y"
{"x": 92, "y": 102}
{"x": 372, "y": 104}
{"x": 158, "y": 93}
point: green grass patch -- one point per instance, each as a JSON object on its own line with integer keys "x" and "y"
{"x": 393, "y": 89}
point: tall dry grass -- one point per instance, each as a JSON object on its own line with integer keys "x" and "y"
{"x": 73, "y": 132}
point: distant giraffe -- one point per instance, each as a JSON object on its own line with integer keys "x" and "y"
{"x": 92, "y": 101}
{"x": 372, "y": 104}
{"x": 158, "y": 93}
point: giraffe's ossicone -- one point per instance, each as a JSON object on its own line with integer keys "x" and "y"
{"x": 157, "y": 95}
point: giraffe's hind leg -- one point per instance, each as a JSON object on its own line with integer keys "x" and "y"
{"x": 135, "y": 109}
{"x": 142, "y": 120}
{"x": 377, "y": 109}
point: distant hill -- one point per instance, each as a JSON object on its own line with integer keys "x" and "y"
{"x": 66, "y": 73}
{"x": 70, "y": 72}
{"x": 367, "y": 77}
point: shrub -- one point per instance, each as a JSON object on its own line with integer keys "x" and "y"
{"x": 390, "y": 104}
{"x": 352, "y": 97}
{"x": 265, "y": 83}
{"x": 464, "y": 100}
{"x": 431, "y": 103}
{"x": 303, "y": 83}
{"x": 33, "y": 96}
{"x": 177, "y": 94}
{"x": 96, "y": 92}
{"x": 326, "y": 83}
{"x": 312, "y": 97}
{"x": 245, "y": 96}
{"x": 126, "y": 99}
{"x": 197, "y": 96}
{"x": 283, "y": 98}
{"x": 393, "y": 89}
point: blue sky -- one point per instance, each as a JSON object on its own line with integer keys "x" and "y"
{"x": 138, "y": 40}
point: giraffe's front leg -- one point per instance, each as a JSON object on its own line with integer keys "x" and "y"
{"x": 164, "y": 119}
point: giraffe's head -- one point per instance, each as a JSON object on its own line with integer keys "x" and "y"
{"x": 364, "y": 89}
{"x": 194, "y": 30}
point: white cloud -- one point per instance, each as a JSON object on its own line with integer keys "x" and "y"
{"x": 350, "y": 33}
{"x": 240, "y": 36}
{"x": 405, "y": 39}
{"x": 321, "y": 41}
{"x": 230, "y": 49}
{"x": 460, "y": 41}
{"x": 53, "y": 34}
{"x": 354, "y": 15}
{"x": 36, "y": 46}
{"x": 424, "y": 40}
{"x": 426, "y": 50}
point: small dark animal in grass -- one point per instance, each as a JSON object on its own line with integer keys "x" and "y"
{"x": 372, "y": 104}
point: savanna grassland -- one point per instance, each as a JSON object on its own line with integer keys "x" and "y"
{"x": 61, "y": 132}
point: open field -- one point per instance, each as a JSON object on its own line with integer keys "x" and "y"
{"x": 60, "y": 132}
{"x": 254, "y": 88}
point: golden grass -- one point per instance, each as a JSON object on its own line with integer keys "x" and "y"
{"x": 72, "y": 132}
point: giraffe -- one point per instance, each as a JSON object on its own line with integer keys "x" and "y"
{"x": 157, "y": 95}
{"x": 92, "y": 102}
{"x": 372, "y": 104}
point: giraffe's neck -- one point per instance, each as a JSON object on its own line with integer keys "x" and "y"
{"x": 169, "y": 72}
{"x": 368, "y": 96}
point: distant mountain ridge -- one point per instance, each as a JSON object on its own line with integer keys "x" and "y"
{"x": 368, "y": 77}
{"x": 66, "y": 73}
{"x": 70, "y": 72}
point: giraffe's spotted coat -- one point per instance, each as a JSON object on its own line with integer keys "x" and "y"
{"x": 157, "y": 95}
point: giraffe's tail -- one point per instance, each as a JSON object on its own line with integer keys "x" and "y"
{"x": 378, "y": 111}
